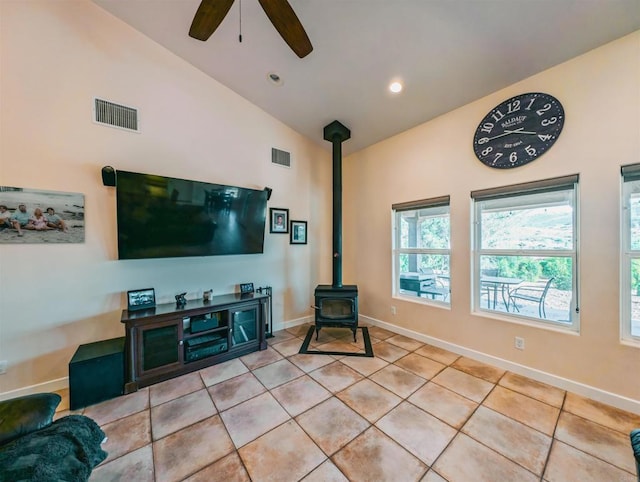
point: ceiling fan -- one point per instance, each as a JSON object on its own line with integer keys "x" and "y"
{"x": 211, "y": 13}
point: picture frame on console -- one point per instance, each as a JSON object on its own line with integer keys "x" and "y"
{"x": 141, "y": 299}
{"x": 246, "y": 288}
{"x": 298, "y": 232}
{"x": 278, "y": 220}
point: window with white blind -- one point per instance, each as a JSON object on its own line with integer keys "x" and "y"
{"x": 526, "y": 251}
{"x": 630, "y": 254}
{"x": 421, "y": 250}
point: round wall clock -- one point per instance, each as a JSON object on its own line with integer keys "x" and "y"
{"x": 518, "y": 130}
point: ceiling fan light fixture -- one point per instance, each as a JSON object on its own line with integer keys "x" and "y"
{"x": 395, "y": 87}
{"x": 275, "y": 79}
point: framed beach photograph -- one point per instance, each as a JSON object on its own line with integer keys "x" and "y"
{"x": 298, "y": 232}
{"x": 141, "y": 299}
{"x": 36, "y": 216}
{"x": 278, "y": 220}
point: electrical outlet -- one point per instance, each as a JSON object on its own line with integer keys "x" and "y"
{"x": 393, "y": 310}
{"x": 3, "y": 367}
{"x": 519, "y": 343}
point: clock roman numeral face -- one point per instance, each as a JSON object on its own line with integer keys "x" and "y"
{"x": 518, "y": 130}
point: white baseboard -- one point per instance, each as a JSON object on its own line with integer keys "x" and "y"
{"x": 291, "y": 323}
{"x": 50, "y": 386}
{"x": 62, "y": 383}
{"x": 615, "y": 400}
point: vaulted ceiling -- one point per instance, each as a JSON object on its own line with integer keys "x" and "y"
{"x": 446, "y": 53}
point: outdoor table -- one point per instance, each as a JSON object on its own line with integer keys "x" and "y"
{"x": 503, "y": 283}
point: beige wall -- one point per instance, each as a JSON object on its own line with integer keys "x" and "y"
{"x": 55, "y": 57}
{"x": 600, "y": 92}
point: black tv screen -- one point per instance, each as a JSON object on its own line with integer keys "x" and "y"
{"x": 164, "y": 217}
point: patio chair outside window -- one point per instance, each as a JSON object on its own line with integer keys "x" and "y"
{"x": 534, "y": 292}
{"x": 434, "y": 286}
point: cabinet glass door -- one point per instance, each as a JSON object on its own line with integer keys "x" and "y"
{"x": 245, "y": 326}
{"x": 159, "y": 346}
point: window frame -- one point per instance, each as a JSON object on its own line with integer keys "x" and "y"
{"x": 629, "y": 174}
{"x": 398, "y": 251}
{"x": 565, "y": 183}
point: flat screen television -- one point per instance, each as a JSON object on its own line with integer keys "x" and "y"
{"x": 164, "y": 217}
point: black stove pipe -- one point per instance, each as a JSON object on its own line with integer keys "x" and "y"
{"x": 336, "y": 133}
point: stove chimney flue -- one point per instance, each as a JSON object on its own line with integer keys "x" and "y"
{"x": 336, "y": 133}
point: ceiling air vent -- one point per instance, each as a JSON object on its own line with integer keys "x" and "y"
{"x": 115, "y": 115}
{"x": 282, "y": 158}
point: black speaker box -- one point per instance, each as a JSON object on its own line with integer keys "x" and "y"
{"x": 108, "y": 176}
{"x": 96, "y": 373}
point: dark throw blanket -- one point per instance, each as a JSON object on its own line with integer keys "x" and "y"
{"x": 67, "y": 450}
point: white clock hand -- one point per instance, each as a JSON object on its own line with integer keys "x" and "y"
{"x": 487, "y": 139}
{"x": 521, "y": 131}
{"x": 505, "y": 133}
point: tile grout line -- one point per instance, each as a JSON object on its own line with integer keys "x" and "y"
{"x": 235, "y": 449}
{"x": 402, "y": 399}
{"x": 293, "y": 419}
{"x": 553, "y": 436}
{"x": 458, "y": 430}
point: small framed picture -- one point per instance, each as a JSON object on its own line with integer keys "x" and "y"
{"x": 298, "y": 232}
{"x": 278, "y": 220}
{"x": 246, "y": 288}
{"x": 141, "y": 299}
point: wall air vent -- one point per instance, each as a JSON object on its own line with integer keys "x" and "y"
{"x": 115, "y": 115}
{"x": 282, "y": 158}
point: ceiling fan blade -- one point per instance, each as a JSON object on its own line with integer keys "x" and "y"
{"x": 286, "y": 22}
{"x": 209, "y": 15}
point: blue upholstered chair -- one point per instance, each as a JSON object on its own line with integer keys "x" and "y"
{"x": 635, "y": 445}
{"x": 35, "y": 448}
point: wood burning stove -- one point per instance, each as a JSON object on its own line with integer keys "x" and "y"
{"x": 336, "y": 305}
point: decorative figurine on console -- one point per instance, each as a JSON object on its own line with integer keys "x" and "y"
{"x": 181, "y": 300}
{"x": 206, "y": 295}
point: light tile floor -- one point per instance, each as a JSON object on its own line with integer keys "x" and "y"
{"x": 414, "y": 412}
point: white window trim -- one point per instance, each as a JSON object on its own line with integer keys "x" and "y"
{"x": 478, "y": 252}
{"x": 626, "y": 256}
{"x": 397, "y": 251}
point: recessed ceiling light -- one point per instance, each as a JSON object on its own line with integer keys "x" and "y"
{"x": 395, "y": 87}
{"x": 275, "y": 78}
